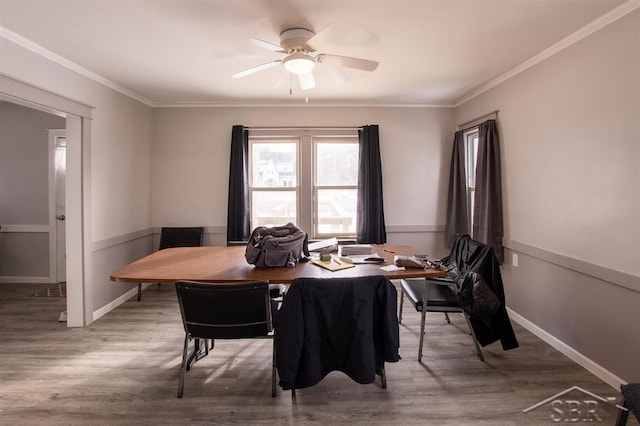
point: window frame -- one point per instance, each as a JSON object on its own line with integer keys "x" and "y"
{"x": 316, "y": 140}
{"x": 471, "y": 140}
{"x": 293, "y": 188}
{"x": 306, "y": 191}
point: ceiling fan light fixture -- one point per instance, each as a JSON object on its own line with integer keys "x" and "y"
{"x": 298, "y": 63}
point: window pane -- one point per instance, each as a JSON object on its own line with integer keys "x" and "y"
{"x": 273, "y": 208}
{"x": 336, "y": 164}
{"x": 471, "y": 160}
{"x": 472, "y": 157}
{"x": 273, "y": 164}
{"x": 337, "y": 211}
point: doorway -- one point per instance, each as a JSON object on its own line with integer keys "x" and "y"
{"x": 57, "y": 205}
{"x": 77, "y": 189}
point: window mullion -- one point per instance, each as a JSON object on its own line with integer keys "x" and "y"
{"x": 305, "y": 184}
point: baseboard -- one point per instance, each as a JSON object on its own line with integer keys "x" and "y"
{"x": 26, "y": 280}
{"x": 117, "y": 302}
{"x": 591, "y": 366}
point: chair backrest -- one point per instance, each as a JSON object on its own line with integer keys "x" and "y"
{"x": 631, "y": 395}
{"x": 225, "y": 311}
{"x": 181, "y": 237}
{"x": 463, "y": 250}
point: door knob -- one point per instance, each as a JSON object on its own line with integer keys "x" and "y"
{"x": 61, "y": 217}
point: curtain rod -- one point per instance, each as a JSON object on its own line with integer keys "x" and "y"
{"x": 302, "y": 128}
{"x": 481, "y": 117}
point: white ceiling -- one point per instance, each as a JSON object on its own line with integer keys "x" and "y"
{"x": 431, "y": 52}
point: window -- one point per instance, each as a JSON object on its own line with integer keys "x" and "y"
{"x": 471, "y": 159}
{"x": 273, "y": 178}
{"x": 335, "y": 188}
{"x": 309, "y": 180}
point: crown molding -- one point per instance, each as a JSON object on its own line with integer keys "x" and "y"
{"x": 54, "y": 57}
{"x": 288, "y": 104}
{"x": 585, "y": 31}
{"x": 599, "y": 23}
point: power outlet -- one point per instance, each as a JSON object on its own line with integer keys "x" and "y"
{"x": 514, "y": 260}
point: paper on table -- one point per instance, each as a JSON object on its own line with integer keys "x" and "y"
{"x": 361, "y": 258}
{"x": 352, "y": 249}
{"x": 391, "y": 268}
{"x": 318, "y": 245}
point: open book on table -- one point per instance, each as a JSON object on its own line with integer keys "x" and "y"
{"x": 333, "y": 264}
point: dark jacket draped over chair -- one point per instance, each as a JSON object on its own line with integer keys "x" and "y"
{"x": 340, "y": 324}
{"x": 468, "y": 255}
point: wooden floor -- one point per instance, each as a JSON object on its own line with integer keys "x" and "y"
{"x": 123, "y": 369}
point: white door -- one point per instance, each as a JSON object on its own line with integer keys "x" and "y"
{"x": 60, "y": 174}
{"x": 57, "y": 211}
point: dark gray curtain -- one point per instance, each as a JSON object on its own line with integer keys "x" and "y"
{"x": 457, "y": 210}
{"x": 370, "y": 208}
{"x": 487, "y": 211}
{"x": 238, "y": 205}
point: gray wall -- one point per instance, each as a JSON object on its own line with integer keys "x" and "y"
{"x": 571, "y": 176}
{"x": 190, "y": 166}
{"x": 116, "y": 169}
{"x": 24, "y": 192}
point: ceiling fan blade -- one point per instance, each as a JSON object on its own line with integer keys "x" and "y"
{"x": 266, "y": 45}
{"x": 307, "y": 81}
{"x": 347, "y": 61}
{"x": 256, "y": 69}
{"x": 312, "y": 43}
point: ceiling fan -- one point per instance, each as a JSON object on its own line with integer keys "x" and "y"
{"x": 297, "y": 45}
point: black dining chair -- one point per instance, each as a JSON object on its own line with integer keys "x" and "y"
{"x": 630, "y": 401}
{"x": 336, "y": 324}
{"x": 181, "y": 237}
{"x": 223, "y": 311}
{"x": 433, "y": 295}
{"x": 178, "y": 237}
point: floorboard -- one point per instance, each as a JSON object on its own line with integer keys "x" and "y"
{"x": 124, "y": 368}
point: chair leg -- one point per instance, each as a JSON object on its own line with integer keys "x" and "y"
{"x": 194, "y": 354}
{"x": 623, "y": 415}
{"x": 446, "y": 316}
{"x": 183, "y": 366}
{"x": 200, "y": 351}
{"x": 475, "y": 340}
{"x": 383, "y": 377}
{"x": 401, "y": 304}
{"x": 139, "y": 291}
{"x": 273, "y": 368}
{"x": 422, "y": 321}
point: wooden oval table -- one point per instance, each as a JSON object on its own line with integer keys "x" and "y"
{"x": 227, "y": 264}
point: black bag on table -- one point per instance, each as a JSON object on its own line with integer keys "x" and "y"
{"x": 277, "y": 246}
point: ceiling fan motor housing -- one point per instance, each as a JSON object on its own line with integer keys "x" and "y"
{"x": 295, "y": 40}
